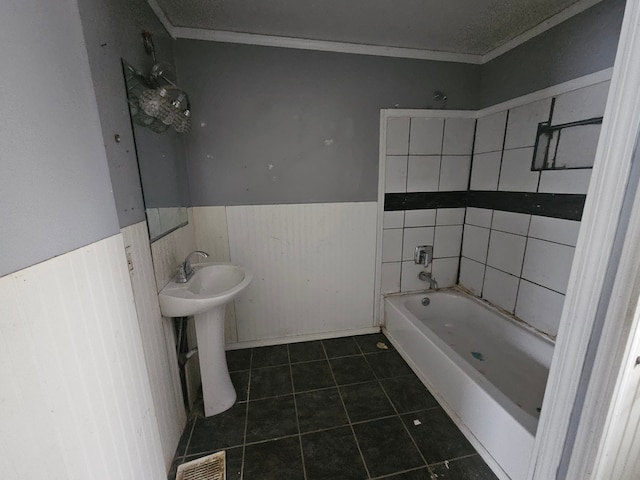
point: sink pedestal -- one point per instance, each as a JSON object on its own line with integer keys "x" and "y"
{"x": 217, "y": 390}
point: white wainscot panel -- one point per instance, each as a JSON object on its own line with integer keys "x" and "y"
{"x": 313, "y": 268}
{"x": 76, "y": 399}
{"x": 212, "y": 236}
{"x": 169, "y": 251}
{"x": 157, "y": 341}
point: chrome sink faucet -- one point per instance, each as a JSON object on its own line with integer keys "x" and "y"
{"x": 185, "y": 271}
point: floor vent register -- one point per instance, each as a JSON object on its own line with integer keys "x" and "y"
{"x": 210, "y": 467}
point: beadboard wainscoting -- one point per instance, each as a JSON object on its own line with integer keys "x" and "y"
{"x": 313, "y": 267}
{"x": 168, "y": 252}
{"x": 76, "y": 398}
{"x": 157, "y": 341}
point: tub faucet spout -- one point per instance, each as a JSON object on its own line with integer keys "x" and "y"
{"x": 428, "y": 277}
{"x": 185, "y": 270}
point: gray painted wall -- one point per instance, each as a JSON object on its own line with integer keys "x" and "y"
{"x": 275, "y": 125}
{"x": 55, "y": 193}
{"x": 112, "y": 30}
{"x": 581, "y": 45}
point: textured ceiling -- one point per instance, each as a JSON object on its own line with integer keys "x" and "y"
{"x": 459, "y": 26}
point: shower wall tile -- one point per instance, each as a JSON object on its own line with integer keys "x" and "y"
{"x": 472, "y": 275}
{"x": 475, "y": 243}
{"x": 485, "y": 171}
{"x": 445, "y": 271}
{"x": 500, "y": 288}
{"x": 511, "y": 222}
{"x": 409, "y": 278}
{"x": 554, "y": 230}
{"x": 516, "y": 174}
{"x": 490, "y": 133}
{"x": 420, "y": 218}
{"x": 395, "y": 179}
{"x": 522, "y": 126}
{"x": 425, "y": 136}
{"x": 393, "y": 219}
{"x": 392, "y": 245}
{"x": 423, "y": 173}
{"x": 450, "y": 216}
{"x": 458, "y": 136}
{"x": 565, "y": 181}
{"x": 447, "y": 241}
{"x": 391, "y": 277}
{"x": 581, "y": 104}
{"x": 414, "y": 237}
{"x": 454, "y": 173}
{"x": 506, "y": 252}
{"x": 480, "y": 217}
{"x": 398, "y": 136}
{"x": 539, "y": 307}
{"x": 548, "y": 264}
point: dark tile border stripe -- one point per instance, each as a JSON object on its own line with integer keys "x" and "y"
{"x": 567, "y": 206}
{"x": 558, "y": 205}
{"x": 419, "y": 200}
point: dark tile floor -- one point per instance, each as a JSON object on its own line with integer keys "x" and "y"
{"x": 336, "y": 409}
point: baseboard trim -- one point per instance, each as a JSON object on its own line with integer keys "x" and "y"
{"x": 301, "y": 338}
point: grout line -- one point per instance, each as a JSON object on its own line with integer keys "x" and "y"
{"x": 462, "y": 457}
{"x": 405, "y": 427}
{"x": 353, "y": 432}
{"x": 246, "y": 417}
{"x": 295, "y": 407}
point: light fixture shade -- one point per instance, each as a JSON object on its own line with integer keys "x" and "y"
{"x": 160, "y": 107}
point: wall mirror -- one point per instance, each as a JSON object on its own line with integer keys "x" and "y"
{"x": 161, "y": 156}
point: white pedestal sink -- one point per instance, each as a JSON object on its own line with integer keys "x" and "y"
{"x": 205, "y": 296}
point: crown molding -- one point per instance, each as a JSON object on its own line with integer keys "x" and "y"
{"x": 322, "y": 45}
{"x": 364, "y": 49}
{"x": 168, "y": 26}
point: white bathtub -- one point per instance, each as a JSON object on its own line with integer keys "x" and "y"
{"x": 487, "y": 371}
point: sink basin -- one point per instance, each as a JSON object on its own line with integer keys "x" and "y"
{"x": 212, "y": 285}
{"x": 205, "y": 296}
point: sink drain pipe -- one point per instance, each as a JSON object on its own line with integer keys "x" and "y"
{"x": 184, "y": 354}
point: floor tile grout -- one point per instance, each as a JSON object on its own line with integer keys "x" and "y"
{"x": 295, "y": 407}
{"x": 353, "y": 432}
{"x": 378, "y": 379}
{"x": 406, "y": 429}
{"x": 246, "y": 419}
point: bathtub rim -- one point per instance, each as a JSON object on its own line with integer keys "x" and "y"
{"x": 482, "y": 302}
{"x": 528, "y": 421}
